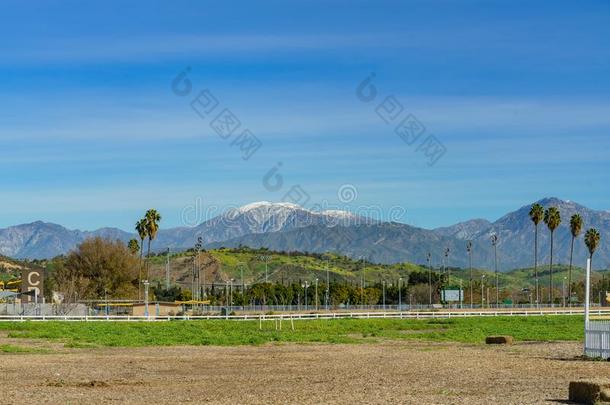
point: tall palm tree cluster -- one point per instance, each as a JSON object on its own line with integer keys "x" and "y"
{"x": 147, "y": 227}
{"x": 552, "y": 219}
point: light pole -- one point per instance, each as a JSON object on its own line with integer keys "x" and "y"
{"x": 563, "y": 290}
{"x": 383, "y": 288}
{"x": 327, "y": 298}
{"x": 106, "y": 299}
{"x": 266, "y": 259}
{"x": 227, "y": 294}
{"x": 317, "y": 294}
{"x": 231, "y": 294}
{"x": 363, "y": 282}
{"x": 461, "y": 293}
{"x": 193, "y": 281}
{"x": 145, "y": 282}
{"x": 306, "y": 285}
{"x": 243, "y": 282}
{"x": 487, "y": 297}
{"x": 447, "y": 251}
{"x": 494, "y": 242}
{"x": 429, "y": 259}
{"x": 400, "y": 293}
{"x": 167, "y": 271}
{"x": 241, "y": 274}
{"x": 482, "y": 290}
{"x": 469, "y": 250}
{"x": 198, "y": 247}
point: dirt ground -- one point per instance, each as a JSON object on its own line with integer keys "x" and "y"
{"x": 392, "y": 372}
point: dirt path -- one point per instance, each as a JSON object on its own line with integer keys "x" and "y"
{"x": 395, "y": 372}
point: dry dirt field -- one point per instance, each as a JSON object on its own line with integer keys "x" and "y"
{"x": 393, "y": 372}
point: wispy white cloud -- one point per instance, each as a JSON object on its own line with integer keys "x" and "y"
{"x": 141, "y": 49}
{"x": 276, "y": 112}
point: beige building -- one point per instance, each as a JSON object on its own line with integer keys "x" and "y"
{"x": 156, "y": 309}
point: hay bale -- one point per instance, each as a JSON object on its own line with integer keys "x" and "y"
{"x": 499, "y": 340}
{"x": 589, "y": 391}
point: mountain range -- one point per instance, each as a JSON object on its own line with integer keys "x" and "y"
{"x": 289, "y": 227}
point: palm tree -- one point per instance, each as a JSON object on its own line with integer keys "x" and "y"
{"x": 592, "y": 239}
{"x": 552, "y": 219}
{"x": 536, "y": 215}
{"x": 575, "y": 227}
{"x": 152, "y": 218}
{"x": 143, "y": 234}
{"x": 133, "y": 246}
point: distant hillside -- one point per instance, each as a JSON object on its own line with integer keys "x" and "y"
{"x": 221, "y": 265}
{"x": 380, "y": 243}
{"x": 393, "y": 242}
{"x": 516, "y": 236}
{"x": 11, "y": 268}
{"x": 288, "y": 227}
{"x": 41, "y": 240}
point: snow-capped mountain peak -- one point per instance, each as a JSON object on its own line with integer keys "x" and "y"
{"x": 338, "y": 214}
{"x": 277, "y": 207}
{"x": 265, "y": 216}
{"x": 268, "y": 205}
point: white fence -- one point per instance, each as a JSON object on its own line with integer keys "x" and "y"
{"x": 597, "y": 339}
{"x": 307, "y": 316}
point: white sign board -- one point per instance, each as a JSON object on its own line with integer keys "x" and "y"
{"x": 452, "y": 295}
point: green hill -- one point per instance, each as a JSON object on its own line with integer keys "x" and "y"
{"x": 221, "y": 265}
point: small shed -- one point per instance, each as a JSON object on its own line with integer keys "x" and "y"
{"x": 156, "y": 309}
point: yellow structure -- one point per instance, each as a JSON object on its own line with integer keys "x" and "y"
{"x": 156, "y": 309}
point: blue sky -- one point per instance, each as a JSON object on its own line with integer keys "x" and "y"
{"x": 92, "y": 135}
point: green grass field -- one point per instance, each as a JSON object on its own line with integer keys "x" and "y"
{"x": 230, "y": 333}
